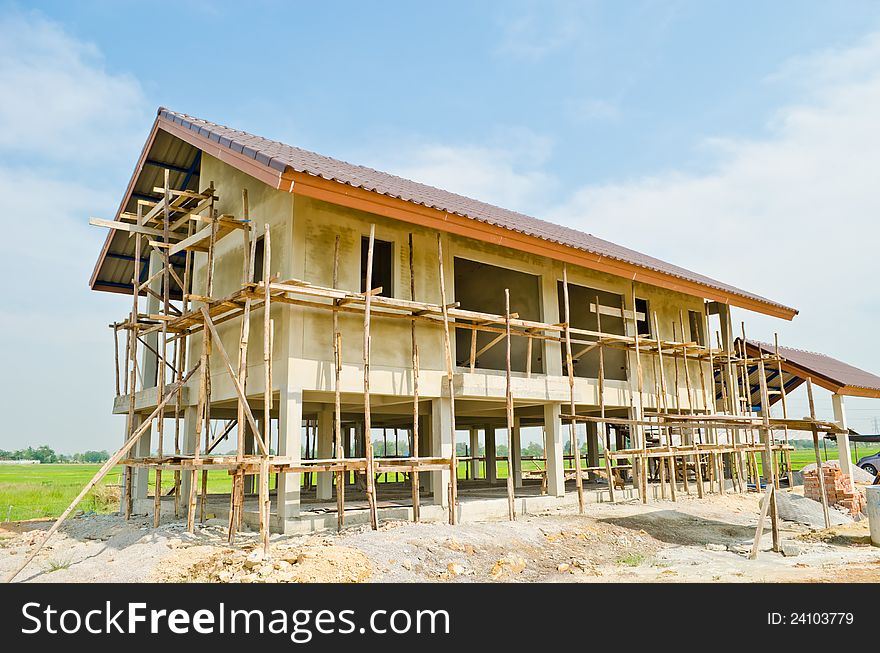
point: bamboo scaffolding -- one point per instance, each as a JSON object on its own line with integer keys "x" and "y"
{"x": 368, "y": 438}
{"x": 676, "y": 416}
{"x": 414, "y": 451}
{"x": 819, "y": 472}
{"x": 508, "y": 400}
{"x": 337, "y": 394}
{"x": 575, "y": 451}
{"x": 447, "y": 346}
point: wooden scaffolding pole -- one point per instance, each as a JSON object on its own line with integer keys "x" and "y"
{"x": 668, "y": 462}
{"x": 642, "y": 442}
{"x": 414, "y": 475}
{"x": 767, "y": 436}
{"x": 787, "y": 453}
{"x": 337, "y": 396}
{"x": 606, "y": 439}
{"x": 163, "y": 351}
{"x": 508, "y": 397}
{"x": 819, "y": 471}
{"x": 208, "y": 342}
{"x": 575, "y": 452}
{"x": 265, "y": 506}
{"x": 368, "y": 438}
{"x": 133, "y": 340}
{"x": 447, "y": 345}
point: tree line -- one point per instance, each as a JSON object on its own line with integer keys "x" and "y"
{"x": 45, "y": 454}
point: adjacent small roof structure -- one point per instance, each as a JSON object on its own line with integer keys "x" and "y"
{"x": 177, "y": 141}
{"x": 798, "y": 365}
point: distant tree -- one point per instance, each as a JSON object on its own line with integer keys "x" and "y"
{"x": 94, "y": 456}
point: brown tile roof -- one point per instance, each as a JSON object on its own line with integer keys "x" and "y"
{"x": 842, "y": 374}
{"x": 281, "y": 157}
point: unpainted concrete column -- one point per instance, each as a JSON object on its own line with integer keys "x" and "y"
{"x": 250, "y": 448}
{"x": 592, "y": 436}
{"x": 442, "y": 442}
{"x": 325, "y": 450}
{"x": 553, "y": 449}
{"x": 188, "y": 446}
{"x": 843, "y": 452}
{"x": 491, "y": 455}
{"x": 514, "y": 440}
{"x": 475, "y": 451}
{"x": 426, "y": 481}
{"x": 289, "y": 444}
{"x": 141, "y": 475}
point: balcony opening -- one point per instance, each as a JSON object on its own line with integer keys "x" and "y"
{"x": 643, "y": 317}
{"x": 383, "y": 265}
{"x": 698, "y": 334}
{"x": 582, "y": 312}
{"x": 480, "y": 287}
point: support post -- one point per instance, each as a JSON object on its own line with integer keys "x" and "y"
{"x": 553, "y": 449}
{"x": 516, "y": 452}
{"x": 441, "y": 441}
{"x": 491, "y": 455}
{"x": 474, "y": 446}
{"x": 325, "y": 451}
{"x": 289, "y": 444}
{"x": 843, "y": 452}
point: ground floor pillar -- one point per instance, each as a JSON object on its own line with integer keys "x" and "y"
{"x": 491, "y": 455}
{"x": 592, "y": 437}
{"x": 442, "y": 441}
{"x": 514, "y": 440}
{"x": 553, "y": 449}
{"x": 289, "y": 445}
{"x": 474, "y": 447}
{"x": 141, "y": 475}
{"x": 843, "y": 453}
{"x": 325, "y": 450}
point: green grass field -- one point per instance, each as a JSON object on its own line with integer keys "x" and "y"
{"x": 35, "y": 491}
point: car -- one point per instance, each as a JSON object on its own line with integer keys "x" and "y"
{"x": 870, "y": 463}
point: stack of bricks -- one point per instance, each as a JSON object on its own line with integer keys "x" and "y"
{"x": 838, "y": 489}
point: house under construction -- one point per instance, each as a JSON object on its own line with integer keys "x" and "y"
{"x": 346, "y": 345}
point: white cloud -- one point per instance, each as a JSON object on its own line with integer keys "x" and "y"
{"x": 793, "y": 216}
{"x": 541, "y": 29}
{"x": 68, "y": 133}
{"x": 59, "y": 101}
{"x": 506, "y": 171}
{"x": 593, "y": 109}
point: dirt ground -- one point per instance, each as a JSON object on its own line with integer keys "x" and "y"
{"x": 685, "y": 541}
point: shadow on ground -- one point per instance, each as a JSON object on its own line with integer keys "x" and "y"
{"x": 675, "y": 527}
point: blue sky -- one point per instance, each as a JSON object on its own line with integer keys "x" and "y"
{"x": 660, "y": 125}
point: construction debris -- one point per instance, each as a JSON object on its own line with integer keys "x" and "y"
{"x": 838, "y": 487}
{"x": 795, "y": 508}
